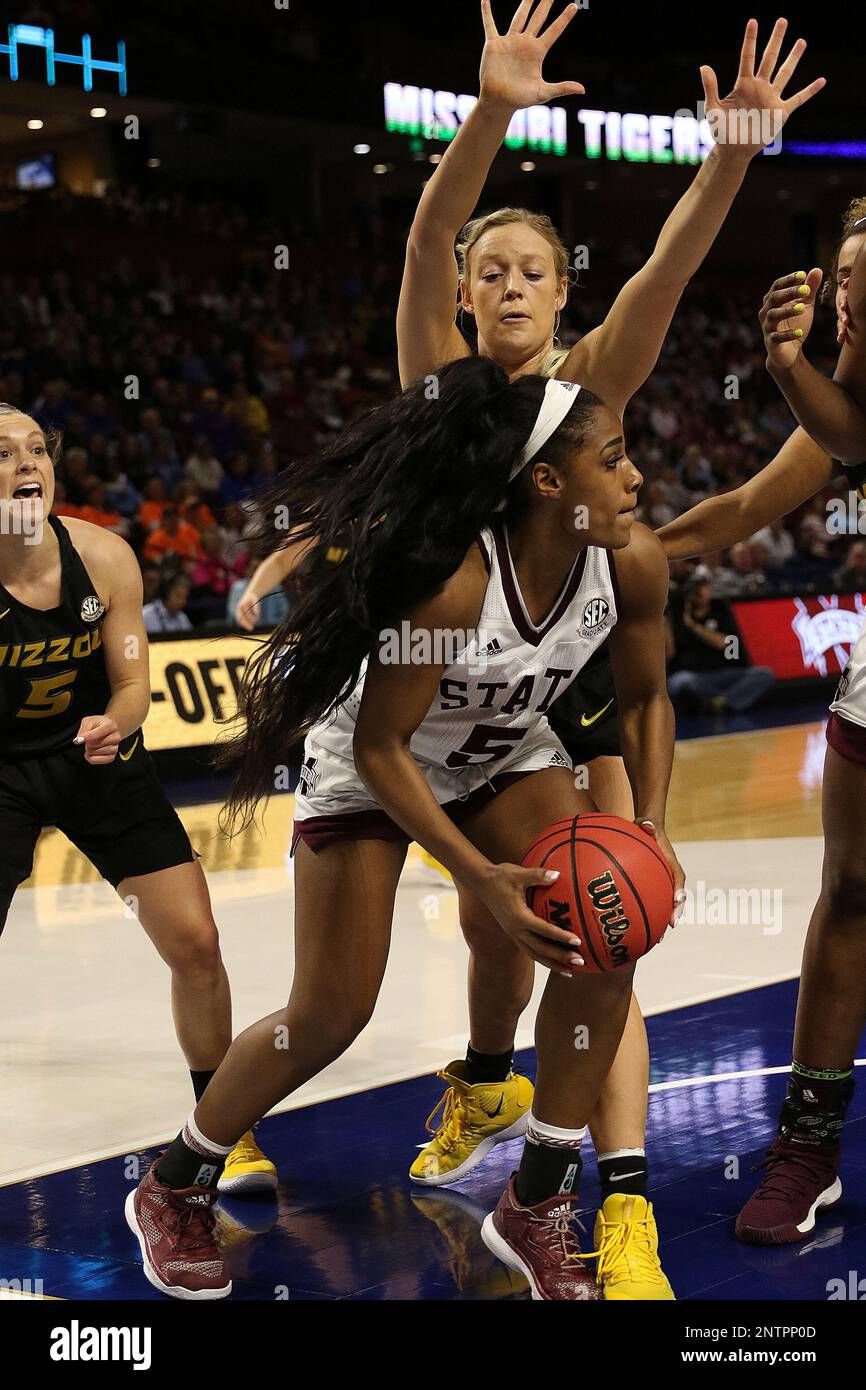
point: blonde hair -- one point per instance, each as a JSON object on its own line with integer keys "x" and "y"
{"x": 854, "y": 213}
{"x": 507, "y": 217}
{"x": 53, "y": 437}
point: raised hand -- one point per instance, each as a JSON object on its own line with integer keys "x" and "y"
{"x": 787, "y": 313}
{"x": 753, "y": 114}
{"x": 511, "y": 63}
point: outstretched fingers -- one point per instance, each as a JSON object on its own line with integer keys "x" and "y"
{"x": 490, "y": 29}
{"x": 558, "y": 27}
{"x": 772, "y": 51}
{"x": 747, "y": 52}
{"x": 805, "y": 94}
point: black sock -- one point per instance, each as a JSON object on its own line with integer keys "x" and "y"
{"x": 625, "y": 1174}
{"x": 545, "y": 1172}
{"x": 200, "y": 1080}
{"x": 183, "y": 1165}
{"x": 487, "y": 1066}
{"x": 813, "y": 1111}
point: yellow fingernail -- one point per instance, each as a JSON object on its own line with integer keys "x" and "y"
{"x": 799, "y": 308}
{"x": 798, "y": 332}
{"x": 804, "y": 289}
{"x": 801, "y": 274}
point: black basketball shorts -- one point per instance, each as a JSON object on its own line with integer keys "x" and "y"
{"x": 118, "y": 814}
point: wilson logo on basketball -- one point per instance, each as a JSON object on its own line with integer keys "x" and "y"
{"x": 595, "y": 613}
{"x": 613, "y": 922}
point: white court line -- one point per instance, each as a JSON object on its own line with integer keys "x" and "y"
{"x": 338, "y": 1092}
{"x": 728, "y": 1076}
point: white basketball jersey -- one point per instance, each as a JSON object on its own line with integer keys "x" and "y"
{"x": 496, "y": 691}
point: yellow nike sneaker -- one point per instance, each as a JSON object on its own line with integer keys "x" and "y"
{"x": 627, "y": 1249}
{"x": 247, "y": 1169}
{"x": 474, "y": 1119}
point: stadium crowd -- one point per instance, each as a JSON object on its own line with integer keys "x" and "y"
{"x": 184, "y": 370}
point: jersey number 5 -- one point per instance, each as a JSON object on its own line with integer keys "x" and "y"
{"x": 485, "y": 744}
{"x": 48, "y": 696}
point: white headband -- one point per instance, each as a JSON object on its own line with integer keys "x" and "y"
{"x": 559, "y": 397}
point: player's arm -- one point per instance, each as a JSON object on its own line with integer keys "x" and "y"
{"x": 637, "y": 652}
{"x": 268, "y": 578}
{"x": 833, "y": 411}
{"x": 511, "y": 79}
{"x": 616, "y": 358}
{"x": 799, "y": 470}
{"x": 124, "y": 644}
{"x": 396, "y": 700}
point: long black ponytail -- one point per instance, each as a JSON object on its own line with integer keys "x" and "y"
{"x": 388, "y": 512}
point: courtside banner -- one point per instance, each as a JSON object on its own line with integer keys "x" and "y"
{"x": 800, "y": 637}
{"x": 194, "y": 683}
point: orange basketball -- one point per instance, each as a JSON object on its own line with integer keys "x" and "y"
{"x": 615, "y": 888}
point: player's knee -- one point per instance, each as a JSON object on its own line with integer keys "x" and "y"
{"x": 329, "y": 1030}
{"x": 844, "y": 891}
{"x": 482, "y": 934}
{"x": 195, "y": 949}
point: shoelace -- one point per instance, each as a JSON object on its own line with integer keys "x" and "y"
{"x": 452, "y": 1123}
{"x": 186, "y": 1230}
{"x": 800, "y": 1172}
{"x": 627, "y": 1250}
{"x": 566, "y": 1226}
{"x": 245, "y": 1149}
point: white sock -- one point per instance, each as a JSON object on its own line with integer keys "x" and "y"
{"x": 537, "y": 1132}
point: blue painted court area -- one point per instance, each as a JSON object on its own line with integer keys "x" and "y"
{"x": 348, "y": 1224}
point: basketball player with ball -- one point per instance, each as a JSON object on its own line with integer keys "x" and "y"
{"x": 494, "y": 522}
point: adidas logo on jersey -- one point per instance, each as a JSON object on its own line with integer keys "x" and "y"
{"x": 492, "y": 648}
{"x": 557, "y": 760}
{"x": 595, "y": 616}
{"x": 92, "y": 609}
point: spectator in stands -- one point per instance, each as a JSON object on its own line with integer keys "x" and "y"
{"x": 852, "y": 574}
{"x": 121, "y": 494}
{"x": 777, "y": 544}
{"x": 238, "y": 481}
{"x": 203, "y": 468}
{"x": 212, "y": 572}
{"x": 76, "y": 475}
{"x": 813, "y": 537}
{"x": 743, "y": 575}
{"x": 98, "y": 510}
{"x": 706, "y": 672}
{"x": 61, "y": 506}
{"x": 210, "y": 420}
{"x": 167, "y": 614}
{"x": 152, "y": 509}
{"x": 191, "y": 508}
{"x": 247, "y": 411}
{"x": 151, "y": 580}
{"x": 173, "y": 537}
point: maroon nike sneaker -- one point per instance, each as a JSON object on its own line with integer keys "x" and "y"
{"x": 174, "y": 1226}
{"x": 543, "y": 1244}
{"x": 798, "y": 1181}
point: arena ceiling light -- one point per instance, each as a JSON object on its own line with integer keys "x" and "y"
{"x": 35, "y": 124}
{"x": 97, "y": 112}
{"x": 528, "y": 167}
{"x": 362, "y": 149}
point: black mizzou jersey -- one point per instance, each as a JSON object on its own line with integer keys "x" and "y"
{"x": 52, "y": 666}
